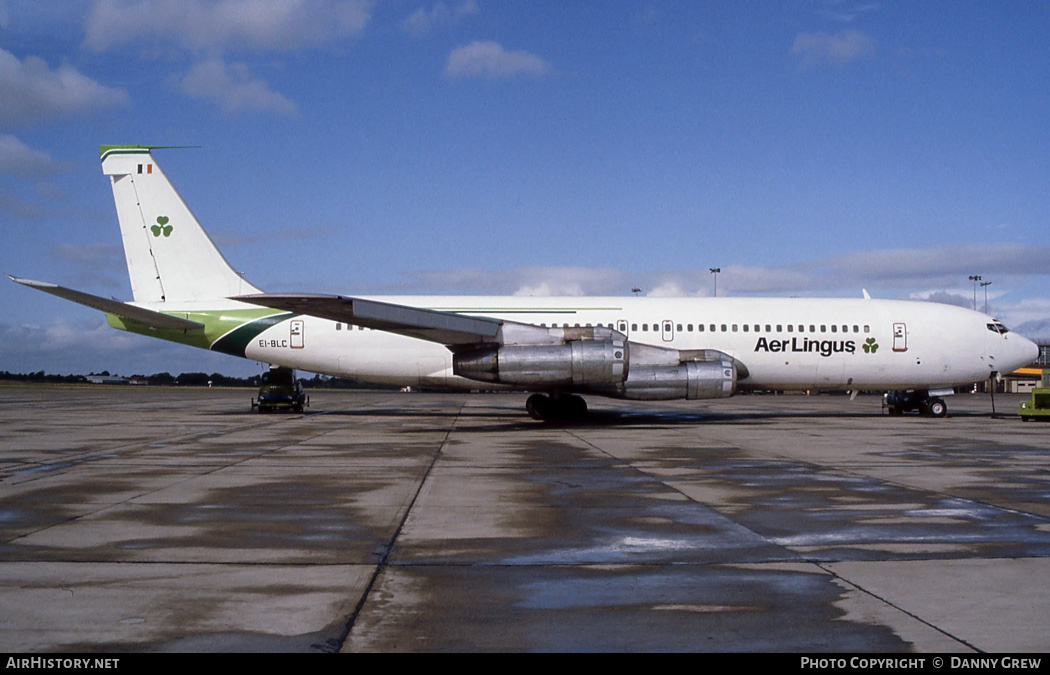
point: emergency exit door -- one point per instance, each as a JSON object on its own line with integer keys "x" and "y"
{"x": 667, "y": 330}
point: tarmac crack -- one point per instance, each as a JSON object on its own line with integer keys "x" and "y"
{"x": 336, "y": 645}
{"x": 890, "y": 603}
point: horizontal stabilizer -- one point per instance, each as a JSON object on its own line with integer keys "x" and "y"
{"x": 445, "y": 328}
{"x": 121, "y": 309}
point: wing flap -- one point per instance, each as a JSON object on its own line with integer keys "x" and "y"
{"x": 121, "y": 309}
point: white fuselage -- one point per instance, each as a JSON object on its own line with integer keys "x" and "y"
{"x": 784, "y": 343}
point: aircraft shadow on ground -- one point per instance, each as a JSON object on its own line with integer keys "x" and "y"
{"x": 507, "y": 418}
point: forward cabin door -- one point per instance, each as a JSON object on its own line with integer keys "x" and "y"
{"x": 900, "y": 337}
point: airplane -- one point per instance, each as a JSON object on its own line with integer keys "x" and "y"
{"x": 558, "y": 348}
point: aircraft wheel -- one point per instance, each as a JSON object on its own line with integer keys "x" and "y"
{"x": 538, "y": 406}
{"x": 935, "y": 407}
{"x": 573, "y": 407}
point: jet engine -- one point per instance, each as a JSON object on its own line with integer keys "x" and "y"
{"x": 579, "y": 363}
{"x": 614, "y": 368}
{"x": 690, "y": 380}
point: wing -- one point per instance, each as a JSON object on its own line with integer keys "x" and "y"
{"x": 121, "y": 309}
{"x": 456, "y": 331}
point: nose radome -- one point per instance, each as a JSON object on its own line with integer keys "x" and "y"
{"x": 1024, "y": 352}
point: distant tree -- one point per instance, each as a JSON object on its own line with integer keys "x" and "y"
{"x": 161, "y": 379}
{"x": 194, "y": 379}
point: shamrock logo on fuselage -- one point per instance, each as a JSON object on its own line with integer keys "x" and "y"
{"x": 161, "y": 227}
{"x": 870, "y": 346}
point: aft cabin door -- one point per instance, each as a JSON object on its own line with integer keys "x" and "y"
{"x": 295, "y": 336}
{"x": 667, "y": 329}
{"x": 900, "y": 337}
{"x": 621, "y": 326}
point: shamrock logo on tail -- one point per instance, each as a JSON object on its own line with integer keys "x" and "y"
{"x": 870, "y": 346}
{"x": 161, "y": 227}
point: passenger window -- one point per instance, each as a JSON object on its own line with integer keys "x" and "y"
{"x": 634, "y": 326}
{"x": 823, "y": 328}
{"x": 699, "y": 328}
{"x": 689, "y": 327}
{"x": 867, "y": 329}
{"x": 723, "y": 328}
{"x": 834, "y": 328}
{"x": 679, "y": 328}
{"x": 790, "y": 328}
{"x": 745, "y": 328}
{"x": 734, "y": 327}
{"x": 339, "y": 326}
{"x": 645, "y": 327}
{"x": 780, "y": 328}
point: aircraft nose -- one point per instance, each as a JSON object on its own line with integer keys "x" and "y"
{"x": 1022, "y": 351}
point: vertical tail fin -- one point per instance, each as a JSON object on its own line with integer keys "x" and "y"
{"x": 170, "y": 257}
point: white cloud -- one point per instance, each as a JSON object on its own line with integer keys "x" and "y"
{"x": 817, "y": 48}
{"x": 19, "y": 159}
{"x": 914, "y": 272}
{"x": 210, "y": 25}
{"x": 945, "y": 298}
{"x": 31, "y": 91}
{"x": 440, "y": 15}
{"x": 489, "y": 59}
{"x": 846, "y": 12}
{"x": 233, "y": 88}
{"x": 941, "y": 265}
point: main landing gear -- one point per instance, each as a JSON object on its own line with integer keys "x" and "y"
{"x": 900, "y": 402}
{"x": 563, "y": 407}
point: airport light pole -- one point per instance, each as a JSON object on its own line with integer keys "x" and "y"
{"x": 985, "y": 285}
{"x": 714, "y": 274}
{"x": 975, "y": 278}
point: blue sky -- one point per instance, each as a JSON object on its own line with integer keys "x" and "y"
{"x": 471, "y": 146}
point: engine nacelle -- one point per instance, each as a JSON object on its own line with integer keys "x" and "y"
{"x": 580, "y": 363}
{"x": 690, "y": 380}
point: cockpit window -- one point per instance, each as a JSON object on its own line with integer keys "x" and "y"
{"x": 997, "y": 327}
